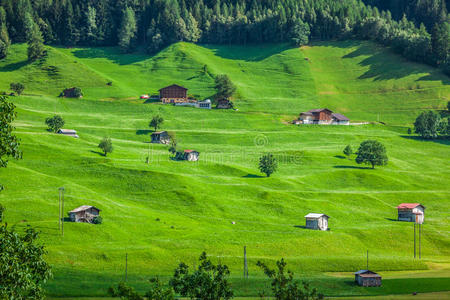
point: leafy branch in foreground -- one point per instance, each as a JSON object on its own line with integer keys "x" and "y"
{"x": 285, "y": 287}
{"x": 22, "y": 265}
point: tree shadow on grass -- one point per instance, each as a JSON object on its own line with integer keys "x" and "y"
{"x": 97, "y": 152}
{"x": 14, "y": 66}
{"x": 253, "y": 176}
{"x": 113, "y": 54}
{"x": 440, "y": 140}
{"x": 353, "y": 167}
{"x": 258, "y": 53}
{"x": 143, "y": 131}
{"x": 339, "y": 156}
{"x": 152, "y": 100}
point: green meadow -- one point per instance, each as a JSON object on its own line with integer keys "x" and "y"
{"x": 165, "y": 212}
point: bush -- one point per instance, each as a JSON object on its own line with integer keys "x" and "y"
{"x": 17, "y": 87}
{"x": 55, "y": 123}
{"x": 97, "y": 220}
{"x": 2, "y": 210}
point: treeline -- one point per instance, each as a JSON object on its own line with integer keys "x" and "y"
{"x": 154, "y": 24}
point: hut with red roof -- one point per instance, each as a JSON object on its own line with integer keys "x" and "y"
{"x": 411, "y": 212}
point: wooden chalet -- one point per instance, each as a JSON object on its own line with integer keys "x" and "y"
{"x": 84, "y": 214}
{"x": 224, "y": 104}
{"x": 317, "y": 221}
{"x": 367, "y": 278}
{"x": 191, "y": 155}
{"x": 322, "y": 116}
{"x": 160, "y": 137}
{"x": 173, "y": 94}
{"x": 411, "y": 212}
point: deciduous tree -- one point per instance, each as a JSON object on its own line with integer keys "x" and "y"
{"x": 285, "y": 287}
{"x": 22, "y": 269}
{"x": 224, "y": 86}
{"x": 55, "y": 123}
{"x": 17, "y": 87}
{"x": 348, "y": 151}
{"x": 208, "y": 282}
{"x": 106, "y": 146}
{"x": 268, "y": 164}
{"x": 35, "y": 41}
{"x": 156, "y": 122}
{"x": 428, "y": 125}
{"x": 372, "y": 153}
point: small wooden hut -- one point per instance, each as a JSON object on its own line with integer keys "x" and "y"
{"x": 317, "y": 221}
{"x": 411, "y": 212}
{"x": 160, "y": 137}
{"x": 84, "y": 214}
{"x": 367, "y": 278}
{"x": 191, "y": 155}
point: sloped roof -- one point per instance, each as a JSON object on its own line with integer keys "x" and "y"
{"x": 174, "y": 85}
{"x": 364, "y": 272}
{"x": 409, "y": 205}
{"x": 340, "y": 117}
{"x": 67, "y": 131}
{"x": 159, "y": 132}
{"x": 370, "y": 275}
{"x": 318, "y": 110}
{"x": 315, "y": 216}
{"x": 189, "y": 151}
{"x": 83, "y": 208}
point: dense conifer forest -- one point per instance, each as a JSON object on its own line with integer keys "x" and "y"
{"x": 417, "y": 29}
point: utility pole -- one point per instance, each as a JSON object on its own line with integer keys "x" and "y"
{"x": 126, "y": 267}
{"x": 61, "y": 209}
{"x": 420, "y": 238}
{"x": 414, "y": 240}
{"x": 245, "y": 263}
{"x": 367, "y": 266}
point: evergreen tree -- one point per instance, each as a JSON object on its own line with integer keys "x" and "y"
{"x": 4, "y": 36}
{"x": 36, "y": 47}
{"x": 127, "y": 29}
{"x": 441, "y": 42}
{"x": 300, "y": 33}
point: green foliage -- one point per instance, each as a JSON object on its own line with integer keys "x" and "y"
{"x": 55, "y": 123}
{"x": 4, "y": 36}
{"x": 409, "y": 131}
{"x": 124, "y": 291}
{"x": 22, "y": 268}
{"x": 127, "y": 29}
{"x": 372, "y": 153}
{"x": 158, "y": 291}
{"x": 285, "y": 287}
{"x": 208, "y": 282}
{"x": 300, "y": 33}
{"x": 428, "y": 125}
{"x": 36, "y": 49}
{"x": 225, "y": 88}
{"x": 2, "y": 211}
{"x": 77, "y": 92}
{"x": 9, "y": 143}
{"x": 440, "y": 40}
{"x": 97, "y": 220}
{"x": 156, "y": 122}
{"x": 17, "y": 87}
{"x": 106, "y": 146}
{"x": 348, "y": 151}
{"x": 268, "y": 164}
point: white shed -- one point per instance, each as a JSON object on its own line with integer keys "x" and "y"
{"x": 317, "y": 221}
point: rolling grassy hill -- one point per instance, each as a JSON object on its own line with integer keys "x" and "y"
{"x": 165, "y": 212}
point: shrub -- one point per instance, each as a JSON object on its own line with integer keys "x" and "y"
{"x": 106, "y": 146}
{"x": 97, "y": 220}
{"x": 55, "y": 123}
{"x": 17, "y": 87}
{"x": 348, "y": 151}
{"x": 2, "y": 210}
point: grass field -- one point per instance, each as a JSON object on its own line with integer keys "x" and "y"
{"x": 196, "y": 203}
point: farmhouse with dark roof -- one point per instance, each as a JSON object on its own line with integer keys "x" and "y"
{"x": 322, "y": 116}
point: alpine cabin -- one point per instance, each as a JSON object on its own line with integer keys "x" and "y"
{"x": 322, "y": 116}
{"x": 173, "y": 94}
{"x": 84, "y": 214}
{"x": 411, "y": 212}
{"x": 367, "y": 278}
{"x": 317, "y": 221}
{"x": 160, "y": 137}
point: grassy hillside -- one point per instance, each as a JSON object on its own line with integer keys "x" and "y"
{"x": 167, "y": 211}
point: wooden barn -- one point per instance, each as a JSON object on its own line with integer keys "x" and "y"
{"x": 160, "y": 137}
{"x": 84, "y": 214}
{"x": 224, "y": 104}
{"x": 173, "y": 94}
{"x": 411, "y": 212}
{"x": 367, "y": 278}
{"x": 191, "y": 155}
{"x": 317, "y": 221}
{"x": 322, "y": 116}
